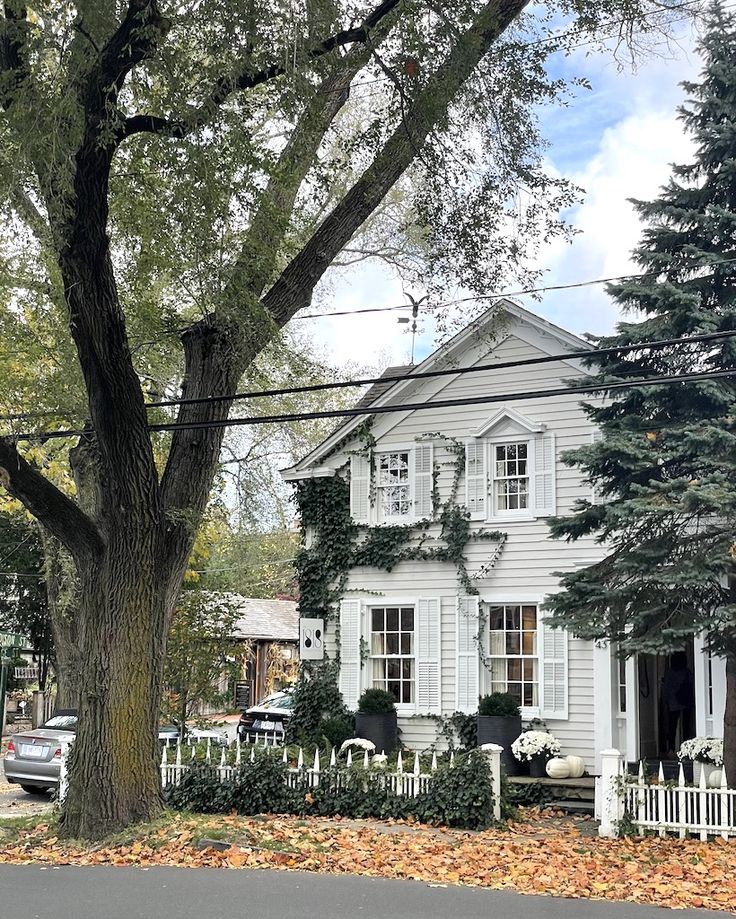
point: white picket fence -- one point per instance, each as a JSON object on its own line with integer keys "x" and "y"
{"x": 408, "y": 783}
{"x": 660, "y": 806}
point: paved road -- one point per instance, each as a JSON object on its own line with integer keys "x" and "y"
{"x": 14, "y": 802}
{"x": 30, "y": 892}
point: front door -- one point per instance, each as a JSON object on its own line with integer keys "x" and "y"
{"x": 666, "y": 702}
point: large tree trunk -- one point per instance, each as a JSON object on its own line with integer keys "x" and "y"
{"x": 729, "y": 722}
{"x": 113, "y": 777}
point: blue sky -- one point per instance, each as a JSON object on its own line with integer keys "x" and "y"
{"x": 617, "y": 141}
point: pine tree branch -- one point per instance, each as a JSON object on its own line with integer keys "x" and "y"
{"x": 57, "y": 512}
{"x": 293, "y": 290}
{"x": 247, "y": 79}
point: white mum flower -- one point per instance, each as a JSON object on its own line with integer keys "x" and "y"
{"x": 535, "y": 743}
{"x": 360, "y": 742}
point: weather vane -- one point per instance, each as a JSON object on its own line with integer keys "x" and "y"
{"x": 415, "y": 304}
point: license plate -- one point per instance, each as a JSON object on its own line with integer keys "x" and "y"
{"x": 265, "y": 726}
{"x": 33, "y": 751}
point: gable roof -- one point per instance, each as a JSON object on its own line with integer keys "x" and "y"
{"x": 265, "y": 620}
{"x": 382, "y": 393}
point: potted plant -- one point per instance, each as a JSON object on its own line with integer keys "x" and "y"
{"x": 499, "y": 721}
{"x": 375, "y": 720}
{"x": 706, "y": 754}
{"x": 536, "y": 748}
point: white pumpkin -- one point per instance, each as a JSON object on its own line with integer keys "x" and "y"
{"x": 558, "y": 768}
{"x": 577, "y": 766}
{"x": 714, "y": 779}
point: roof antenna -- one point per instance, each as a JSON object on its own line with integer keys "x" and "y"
{"x": 415, "y": 304}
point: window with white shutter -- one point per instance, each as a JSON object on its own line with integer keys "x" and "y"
{"x": 554, "y": 668}
{"x": 360, "y": 485}
{"x": 428, "y": 656}
{"x": 350, "y": 631}
{"x": 545, "y": 503}
{"x": 467, "y": 669}
{"x": 422, "y": 481}
{"x": 476, "y": 479}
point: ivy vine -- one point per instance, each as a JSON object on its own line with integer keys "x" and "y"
{"x": 339, "y": 544}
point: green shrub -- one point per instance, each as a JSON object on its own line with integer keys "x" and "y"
{"x": 500, "y": 704}
{"x": 457, "y": 796}
{"x": 317, "y": 700}
{"x": 337, "y": 729}
{"x": 376, "y": 702}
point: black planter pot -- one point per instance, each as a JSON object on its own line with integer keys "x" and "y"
{"x": 538, "y": 766}
{"x": 380, "y": 729}
{"x": 503, "y": 730}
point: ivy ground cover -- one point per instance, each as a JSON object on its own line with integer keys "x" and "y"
{"x": 536, "y": 855}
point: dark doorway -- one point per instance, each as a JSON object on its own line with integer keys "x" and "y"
{"x": 666, "y": 702}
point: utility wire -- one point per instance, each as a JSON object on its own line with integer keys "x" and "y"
{"x": 407, "y": 406}
{"x": 453, "y": 371}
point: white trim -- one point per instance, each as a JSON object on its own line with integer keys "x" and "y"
{"x": 603, "y": 710}
{"x": 522, "y": 513}
{"x": 632, "y": 709}
{"x": 700, "y": 678}
{"x": 316, "y": 472}
{"x": 405, "y": 709}
{"x": 527, "y": 711}
{"x": 532, "y": 427}
{"x": 377, "y": 510}
{"x": 542, "y": 327}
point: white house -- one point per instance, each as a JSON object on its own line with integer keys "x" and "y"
{"x": 437, "y": 636}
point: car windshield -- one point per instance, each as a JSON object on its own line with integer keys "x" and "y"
{"x": 65, "y": 722}
{"x": 282, "y": 700}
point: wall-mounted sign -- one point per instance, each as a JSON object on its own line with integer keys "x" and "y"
{"x": 311, "y": 639}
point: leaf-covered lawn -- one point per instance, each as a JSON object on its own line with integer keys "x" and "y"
{"x": 537, "y": 855}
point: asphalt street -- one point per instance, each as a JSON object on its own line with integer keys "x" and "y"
{"x": 31, "y": 892}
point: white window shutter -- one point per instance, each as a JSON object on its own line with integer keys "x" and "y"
{"x": 595, "y": 437}
{"x": 428, "y": 657}
{"x": 467, "y": 669}
{"x": 553, "y": 677}
{"x": 350, "y": 616}
{"x": 476, "y": 479}
{"x": 423, "y": 481}
{"x": 545, "y": 503}
{"x": 360, "y": 486}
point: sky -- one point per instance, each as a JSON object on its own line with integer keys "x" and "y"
{"x": 617, "y": 141}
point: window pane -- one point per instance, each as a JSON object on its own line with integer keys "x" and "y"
{"x": 496, "y": 617}
{"x": 529, "y": 671}
{"x": 407, "y": 619}
{"x": 498, "y": 670}
{"x": 392, "y": 643}
{"x": 514, "y": 669}
{"x": 529, "y": 617}
{"x": 513, "y": 643}
{"x": 394, "y": 687}
{"x": 379, "y": 672}
{"x": 528, "y": 694}
{"x": 528, "y": 645}
{"x": 513, "y": 620}
{"x": 514, "y": 690}
{"x": 407, "y": 669}
{"x": 377, "y": 643}
{"x": 392, "y": 619}
{"x": 406, "y": 644}
{"x": 393, "y": 669}
{"x": 497, "y": 645}
{"x": 407, "y": 694}
{"x": 377, "y": 619}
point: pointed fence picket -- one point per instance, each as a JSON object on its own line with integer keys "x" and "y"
{"x": 399, "y": 781}
{"x": 661, "y": 806}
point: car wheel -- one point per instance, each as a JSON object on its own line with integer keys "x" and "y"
{"x": 33, "y": 789}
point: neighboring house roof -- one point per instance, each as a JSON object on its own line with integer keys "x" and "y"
{"x": 268, "y": 620}
{"x": 383, "y": 393}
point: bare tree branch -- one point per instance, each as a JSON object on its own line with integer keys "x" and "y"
{"x": 58, "y": 513}
{"x": 248, "y": 79}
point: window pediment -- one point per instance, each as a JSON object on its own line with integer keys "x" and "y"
{"x": 506, "y": 422}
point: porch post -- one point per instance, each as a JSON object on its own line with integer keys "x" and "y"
{"x": 610, "y": 793}
{"x": 632, "y": 710}
{"x": 602, "y": 700}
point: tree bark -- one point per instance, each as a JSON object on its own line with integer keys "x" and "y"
{"x": 62, "y": 597}
{"x": 729, "y": 722}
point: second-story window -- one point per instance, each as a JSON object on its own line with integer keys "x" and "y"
{"x": 510, "y": 481}
{"x": 394, "y": 484}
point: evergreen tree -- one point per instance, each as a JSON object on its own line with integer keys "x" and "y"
{"x": 664, "y": 471}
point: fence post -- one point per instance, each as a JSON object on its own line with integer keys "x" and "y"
{"x": 492, "y": 752}
{"x": 610, "y": 800}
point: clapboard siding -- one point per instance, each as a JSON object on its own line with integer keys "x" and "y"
{"x": 523, "y": 572}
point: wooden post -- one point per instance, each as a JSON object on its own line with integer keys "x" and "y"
{"x": 611, "y": 792}
{"x": 492, "y": 752}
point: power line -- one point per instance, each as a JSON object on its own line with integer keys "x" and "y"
{"x": 453, "y": 371}
{"x": 408, "y": 406}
